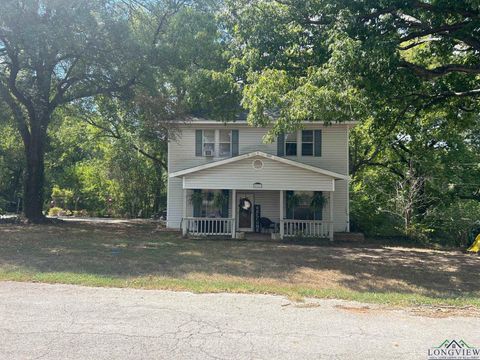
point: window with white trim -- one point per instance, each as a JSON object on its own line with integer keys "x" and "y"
{"x": 225, "y": 143}
{"x": 291, "y": 144}
{"x": 307, "y": 142}
{"x": 208, "y": 143}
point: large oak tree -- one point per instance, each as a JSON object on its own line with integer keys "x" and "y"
{"x": 58, "y": 52}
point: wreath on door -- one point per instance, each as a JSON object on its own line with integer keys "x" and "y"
{"x": 245, "y": 204}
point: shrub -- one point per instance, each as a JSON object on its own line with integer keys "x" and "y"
{"x": 80, "y": 213}
{"x": 453, "y": 223}
{"x": 62, "y": 197}
{"x": 65, "y": 212}
{"x": 54, "y": 211}
{"x": 3, "y": 206}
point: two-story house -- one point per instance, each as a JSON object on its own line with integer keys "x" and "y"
{"x": 224, "y": 180}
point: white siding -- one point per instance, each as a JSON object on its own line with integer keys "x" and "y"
{"x": 270, "y": 204}
{"x": 340, "y": 208}
{"x": 174, "y": 202}
{"x": 334, "y": 150}
{"x": 273, "y": 176}
{"x": 334, "y": 158}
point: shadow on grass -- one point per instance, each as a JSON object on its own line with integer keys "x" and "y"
{"x": 126, "y": 251}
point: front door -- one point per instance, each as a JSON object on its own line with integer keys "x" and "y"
{"x": 245, "y": 212}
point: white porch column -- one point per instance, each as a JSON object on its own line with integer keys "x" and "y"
{"x": 282, "y": 229}
{"x": 234, "y": 213}
{"x": 331, "y": 215}
{"x": 184, "y": 213}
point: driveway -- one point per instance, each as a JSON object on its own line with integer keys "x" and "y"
{"x": 39, "y": 321}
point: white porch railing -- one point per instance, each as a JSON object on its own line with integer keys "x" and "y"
{"x": 198, "y": 226}
{"x": 307, "y": 228}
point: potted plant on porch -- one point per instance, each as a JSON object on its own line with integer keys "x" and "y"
{"x": 196, "y": 198}
{"x": 220, "y": 200}
{"x": 318, "y": 202}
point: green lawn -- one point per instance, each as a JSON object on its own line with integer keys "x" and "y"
{"x": 144, "y": 256}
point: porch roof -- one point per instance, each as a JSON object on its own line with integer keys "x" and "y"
{"x": 260, "y": 154}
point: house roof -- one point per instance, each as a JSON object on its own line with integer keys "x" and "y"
{"x": 243, "y": 121}
{"x": 264, "y": 155}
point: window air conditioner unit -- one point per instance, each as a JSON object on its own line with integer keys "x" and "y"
{"x": 208, "y": 153}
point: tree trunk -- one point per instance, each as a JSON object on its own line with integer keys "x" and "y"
{"x": 158, "y": 190}
{"x": 34, "y": 176}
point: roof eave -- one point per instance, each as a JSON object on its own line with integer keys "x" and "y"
{"x": 194, "y": 169}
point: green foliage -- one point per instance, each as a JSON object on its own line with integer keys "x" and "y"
{"x": 453, "y": 223}
{"x": 55, "y": 211}
{"x": 11, "y": 164}
{"x": 104, "y": 175}
{"x": 318, "y": 201}
{"x": 80, "y": 213}
{"x": 415, "y": 153}
{"x": 293, "y": 200}
{"x": 59, "y": 54}
{"x": 3, "y": 206}
{"x": 423, "y": 183}
{"x": 196, "y": 198}
{"x": 220, "y": 200}
{"x": 156, "y": 62}
{"x": 62, "y": 197}
{"x": 391, "y": 66}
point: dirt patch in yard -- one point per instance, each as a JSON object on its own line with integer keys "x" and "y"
{"x": 139, "y": 250}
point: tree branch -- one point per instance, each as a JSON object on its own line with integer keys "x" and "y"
{"x": 14, "y": 66}
{"x": 440, "y": 70}
{"x": 87, "y": 92}
{"x": 116, "y": 134}
{"x": 17, "y": 112}
{"x": 435, "y": 30}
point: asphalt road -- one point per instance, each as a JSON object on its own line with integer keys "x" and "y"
{"x": 40, "y": 321}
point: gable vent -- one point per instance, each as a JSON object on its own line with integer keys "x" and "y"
{"x": 257, "y": 164}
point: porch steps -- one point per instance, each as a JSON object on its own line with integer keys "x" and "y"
{"x": 259, "y": 236}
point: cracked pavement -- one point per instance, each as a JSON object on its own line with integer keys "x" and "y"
{"x": 40, "y": 321}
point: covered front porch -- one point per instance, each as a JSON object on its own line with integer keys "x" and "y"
{"x": 240, "y": 213}
{"x": 258, "y": 193}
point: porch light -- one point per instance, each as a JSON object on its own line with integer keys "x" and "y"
{"x": 257, "y": 185}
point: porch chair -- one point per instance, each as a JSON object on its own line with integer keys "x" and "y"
{"x": 267, "y": 224}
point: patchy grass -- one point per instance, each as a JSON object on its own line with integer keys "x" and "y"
{"x": 139, "y": 255}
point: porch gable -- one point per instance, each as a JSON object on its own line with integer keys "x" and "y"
{"x": 271, "y": 175}
{"x": 259, "y": 170}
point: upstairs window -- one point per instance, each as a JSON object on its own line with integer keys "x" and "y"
{"x": 208, "y": 143}
{"x": 225, "y": 144}
{"x": 291, "y": 144}
{"x": 307, "y": 142}
{"x": 310, "y": 143}
{"x": 216, "y": 143}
